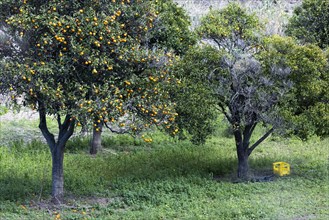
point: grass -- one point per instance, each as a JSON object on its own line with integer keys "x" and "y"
{"x": 3, "y": 110}
{"x": 166, "y": 179}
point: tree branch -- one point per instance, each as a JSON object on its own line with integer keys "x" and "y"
{"x": 44, "y": 128}
{"x": 250, "y": 150}
{"x": 217, "y": 42}
{"x": 67, "y": 121}
{"x": 228, "y": 117}
{"x": 66, "y": 131}
{"x": 59, "y": 121}
{"x": 247, "y": 132}
{"x": 120, "y": 131}
{"x": 253, "y": 127}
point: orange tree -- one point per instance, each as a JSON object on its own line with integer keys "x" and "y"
{"x": 85, "y": 60}
{"x": 171, "y": 33}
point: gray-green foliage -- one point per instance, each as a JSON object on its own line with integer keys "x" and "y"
{"x": 231, "y": 30}
{"x": 231, "y": 27}
{"x": 231, "y": 70}
{"x": 244, "y": 93}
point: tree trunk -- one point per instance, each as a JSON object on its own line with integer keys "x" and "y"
{"x": 242, "y": 140}
{"x": 66, "y": 129}
{"x": 57, "y": 191}
{"x": 96, "y": 142}
{"x": 243, "y": 166}
{"x": 242, "y": 144}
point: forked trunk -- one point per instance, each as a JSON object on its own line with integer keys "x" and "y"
{"x": 96, "y": 142}
{"x": 243, "y": 148}
{"x": 57, "y": 191}
{"x": 66, "y": 129}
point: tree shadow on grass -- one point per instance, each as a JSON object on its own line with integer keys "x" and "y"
{"x": 167, "y": 163}
{"x": 18, "y": 189}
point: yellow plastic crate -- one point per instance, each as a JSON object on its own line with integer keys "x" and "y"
{"x": 281, "y": 168}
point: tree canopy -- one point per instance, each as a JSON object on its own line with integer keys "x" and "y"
{"x": 87, "y": 59}
{"x": 172, "y": 28}
{"x": 310, "y": 22}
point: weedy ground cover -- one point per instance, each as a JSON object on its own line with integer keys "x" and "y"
{"x": 169, "y": 179}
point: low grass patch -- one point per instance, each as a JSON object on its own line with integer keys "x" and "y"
{"x": 166, "y": 179}
{"x": 3, "y": 110}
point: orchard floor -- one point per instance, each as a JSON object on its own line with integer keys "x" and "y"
{"x": 165, "y": 179}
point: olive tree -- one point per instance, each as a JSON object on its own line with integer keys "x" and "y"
{"x": 71, "y": 68}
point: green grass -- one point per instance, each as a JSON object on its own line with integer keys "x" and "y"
{"x": 3, "y": 110}
{"x": 166, "y": 179}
